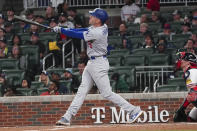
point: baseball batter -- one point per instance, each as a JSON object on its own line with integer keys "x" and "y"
{"x": 97, "y": 67}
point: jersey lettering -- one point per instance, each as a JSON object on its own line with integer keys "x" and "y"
{"x": 90, "y": 44}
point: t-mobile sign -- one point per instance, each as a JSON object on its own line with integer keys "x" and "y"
{"x": 98, "y": 113}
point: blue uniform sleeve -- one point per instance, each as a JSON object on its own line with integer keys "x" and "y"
{"x": 72, "y": 33}
{"x": 80, "y": 29}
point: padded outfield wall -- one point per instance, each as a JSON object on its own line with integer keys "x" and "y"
{"x": 46, "y": 110}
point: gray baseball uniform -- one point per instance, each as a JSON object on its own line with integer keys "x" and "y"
{"x": 97, "y": 71}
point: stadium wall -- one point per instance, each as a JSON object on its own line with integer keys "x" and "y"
{"x": 46, "y": 110}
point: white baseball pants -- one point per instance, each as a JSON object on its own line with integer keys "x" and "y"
{"x": 96, "y": 71}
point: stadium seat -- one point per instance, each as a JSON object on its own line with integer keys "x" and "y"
{"x": 66, "y": 84}
{"x": 176, "y": 27}
{"x": 168, "y": 88}
{"x": 1, "y": 90}
{"x": 41, "y": 90}
{"x": 136, "y": 40}
{"x": 115, "y": 41}
{"x": 128, "y": 73}
{"x": 115, "y": 60}
{"x": 158, "y": 60}
{"x": 48, "y": 36}
{"x": 36, "y": 84}
{"x": 133, "y": 27}
{"x": 25, "y": 36}
{"x": 33, "y": 54}
{"x": 9, "y": 64}
{"x": 178, "y": 82}
{"x": 14, "y": 77}
{"x": 56, "y": 70}
{"x": 179, "y": 73}
{"x": 180, "y": 37}
{"x": 119, "y": 52}
{"x": 24, "y": 91}
{"x": 154, "y": 27}
{"x": 167, "y": 16}
{"x": 134, "y": 60}
{"x": 143, "y": 51}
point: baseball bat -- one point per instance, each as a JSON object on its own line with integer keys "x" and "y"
{"x": 30, "y": 22}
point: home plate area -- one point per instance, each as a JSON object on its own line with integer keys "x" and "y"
{"x": 112, "y": 127}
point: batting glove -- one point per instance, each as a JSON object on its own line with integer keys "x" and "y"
{"x": 57, "y": 29}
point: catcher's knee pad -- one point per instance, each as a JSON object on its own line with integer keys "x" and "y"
{"x": 193, "y": 114}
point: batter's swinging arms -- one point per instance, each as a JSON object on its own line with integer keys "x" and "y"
{"x": 97, "y": 67}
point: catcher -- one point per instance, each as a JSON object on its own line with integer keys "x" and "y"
{"x": 188, "y": 63}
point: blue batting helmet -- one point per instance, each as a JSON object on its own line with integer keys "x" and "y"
{"x": 100, "y": 14}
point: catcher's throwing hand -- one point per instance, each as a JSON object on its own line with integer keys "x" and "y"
{"x": 57, "y": 29}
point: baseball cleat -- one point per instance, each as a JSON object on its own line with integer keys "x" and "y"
{"x": 63, "y": 122}
{"x": 133, "y": 117}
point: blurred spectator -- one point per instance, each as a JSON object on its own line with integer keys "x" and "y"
{"x": 24, "y": 27}
{"x": 3, "y": 49}
{"x": 2, "y": 34}
{"x": 9, "y": 30}
{"x": 26, "y": 83}
{"x": 52, "y": 23}
{"x": 73, "y": 78}
{"x": 81, "y": 67}
{"x": 161, "y": 46}
{"x": 44, "y": 78}
{"x": 177, "y": 16}
{"x": 29, "y": 14}
{"x": 165, "y": 42}
{"x": 166, "y": 30}
{"x": 16, "y": 54}
{"x": 10, "y": 15}
{"x": 63, "y": 7}
{"x": 143, "y": 29}
{"x": 186, "y": 28}
{"x": 35, "y": 41}
{"x": 63, "y": 21}
{"x": 40, "y": 19}
{"x": 34, "y": 29}
{"x": 9, "y": 91}
{"x": 3, "y": 82}
{"x": 155, "y": 17}
{"x": 194, "y": 21}
{"x": 83, "y": 57}
{"x": 2, "y": 20}
{"x": 50, "y": 14}
{"x": 194, "y": 38}
{"x": 77, "y": 19}
{"x": 124, "y": 33}
{"x": 52, "y": 90}
{"x": 129, "y": 11}
{"x": 190, "y": 46}
{"x": 62, "y": 88}
{"x": 148, "y": 42}
{"x": 194, "y": 18}
{"x": 121, "y": 85}
{"x": 142, "y": 19}
{"x": 153, "y": 5}
{"x": 16, "y": 40}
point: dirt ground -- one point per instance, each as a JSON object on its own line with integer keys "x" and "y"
{"x": 116, "y": 127}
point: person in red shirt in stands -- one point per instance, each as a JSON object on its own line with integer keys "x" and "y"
{"x": 52, "y": 90}
{"x": 153, "y": 5}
